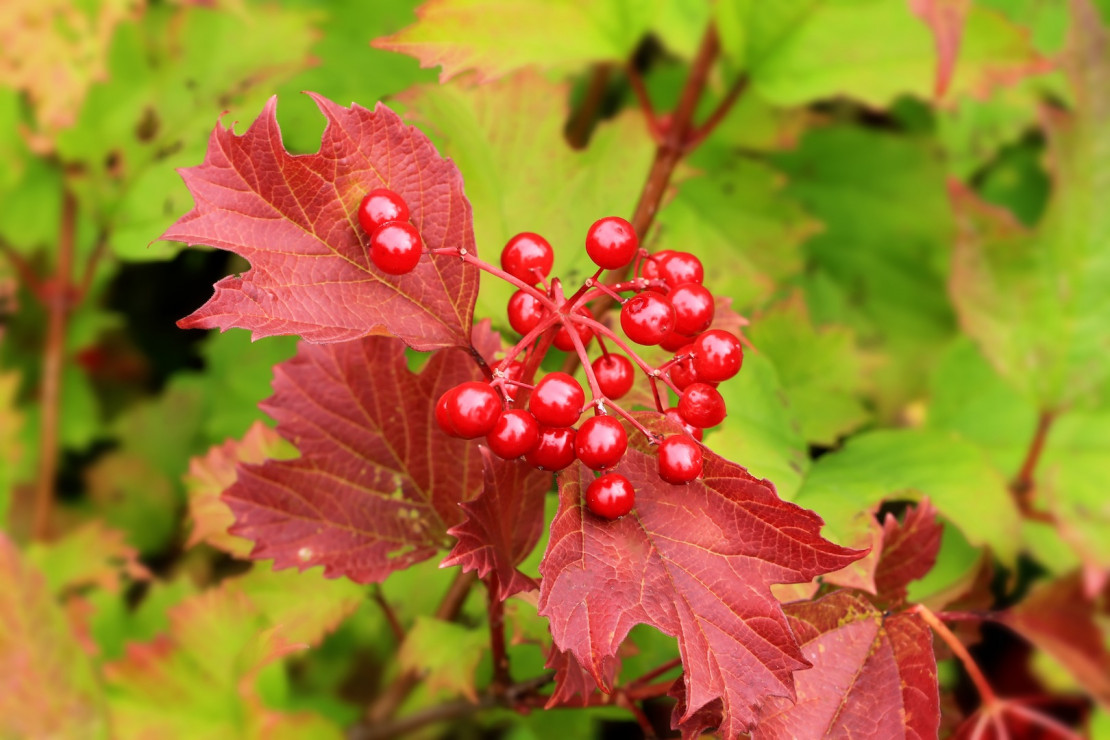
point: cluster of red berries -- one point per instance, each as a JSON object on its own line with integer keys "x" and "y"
{"x": 670, "y": 308}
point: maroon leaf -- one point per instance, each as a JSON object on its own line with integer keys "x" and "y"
{"x": 293, "y": 218}
{"x": 378, "y": 484}
{"x": 502, "y": 524}
{"x": 873, "y": 676}
{"x": 946, "y": 20}
{"x": 1060, "y": 619}
{"x": 697, "y": 562}
{"x": 573, "y": 683}
{"x": 909, "y": 552}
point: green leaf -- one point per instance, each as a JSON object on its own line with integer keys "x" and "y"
{"x": 1037, "y": 303}
{"x": 843, "y": 487}
{"x": 795, "y": 50}
{"x": 306, "y": 606}
{"x": 743, "y": 223}
{"x": 135, "y": 497}
{"x": 819, "y": 370}
{"x": 458, "y": 35}
{"x": 91, "y": 555}
{"x": 445, "y": 654}
{"x": 531, "y": 181}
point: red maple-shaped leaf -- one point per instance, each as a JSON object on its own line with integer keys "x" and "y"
{"x": 695, "y": 561}
{"x": 910, "y": 550}
{"x": 377, "y": 485}
{"x": 873, "y": 676}
{"x": 502, "y": 524}
{"x": 573, "y": 683}
{"x": 293, "y": 218}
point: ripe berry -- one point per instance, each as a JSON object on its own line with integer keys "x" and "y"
{"x": 682, "y": 372}
{"x": 379, "y": 206}
{"x": 647, "y": 318}
{"x": 717, "y": 355}
{"x": 514, "y": 434}
{"x": 601, "y": 442}
{"x": 680, "y": 459}
{"x": 395, "y": 247}
{"x": 554, "y": 450}
{"x": 693, "y": 308}
{"x": 525, "y": 312}
{"x": 611, "y": 242}
{"x": 650, "y": 267}
{"x": 701, "y": 405}
{"x": 557, "y": 400}
{"x": 614, "y": 375}
{"x": 527, "y": 254}
{"x": 473, "y": 408}
{"x": 443, "y": 413}
{"x": 673, "y": 415}
{"x": 681, "y": 267}
{"x": 675, "y": 341}
{"x": 562, "y": 339}
{"x": 513, "y": 371}
{"x": 611, "y": 496}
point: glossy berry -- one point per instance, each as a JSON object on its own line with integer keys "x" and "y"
{"x": 718, "y": 355}
{"x": 615, "y": 375}
{"x": 473, "y": 408}
{"x": 557, "y": 400}
{"x": 675, "y": 341}
{"x": 514, "y": 434}
{"x": 611, "y": 496}
{"x": 379, "y": 206}
{"x": 682, "y": 372}
{"x": 395, "y": 247}
{"x": 554, "y": 450}
{"x": 527, "y": 254}
{"x": 647, "y": 317}
{"x": 650, "y": 267}
{"x": 680, "y": 459}
{"x": 513, "y": 371}
{"x": 702, "y": 406}
{"x": 443, "y": 413}
{"x": 525, "y": 312}
{"x": 673, "y": 415}
{"x": 562, "y": 339}
{"x": 611, "y": 242}
{"x": 693, "y": 308}
{"x": 681, "y": 267}
{"x": 600, "y": 442}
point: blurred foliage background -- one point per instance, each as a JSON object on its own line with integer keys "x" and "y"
{"x": 927, "y": 274}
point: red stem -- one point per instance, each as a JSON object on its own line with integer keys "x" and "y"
{"x": 502, "y": 678}
{"x": 981, "y": 684}
{"x": 1023, "y": 486}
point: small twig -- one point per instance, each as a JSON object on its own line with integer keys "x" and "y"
{"x": 981, "y": 684}
{"x": 642, "y": 97}
{"x": 582, "y": 122}
{"x": 1024, "y": 485}
{"x": 390, "y": 615}
{"x": 702, "y": 132}
{"x": 27, "y": 274}
{"x": 655, "y": 673}
{"x": 502, "y": 678}
{"x": 641, "y": 719}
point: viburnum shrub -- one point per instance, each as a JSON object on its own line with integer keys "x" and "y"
{"x": 609, "y": 379}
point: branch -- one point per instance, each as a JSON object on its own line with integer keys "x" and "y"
{"x": 388, "y": 703}
{"x": 57, "y": 297}
{"x": 582, "y": 122}
{"x": 1023, "y": 485}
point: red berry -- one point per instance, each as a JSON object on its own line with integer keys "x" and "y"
{"x": 650, "y": 267}
{"x": 525, "y": 312}
{"x": 680, "y": 459}
{"x": 473, "y": 408}
{"x": 562, "y": 339}
{"x": 673, "y": 415}
{"x": 557, "y": 400}
{"x": 513, "y": 371}
{"x": 718, "y": 355}
{"x": 611, "y": 242}
{"x": 647, "y": 318}
{"x": 611, "y": 496}
{"x": 379, "y": 206}
{"x": 514, "y": 434}
{"x": 615, "y": 375}
{"x": 693, "y": 308}
{"x": 395, "y": 247}
{"x": 681, "y": 267}
{"x": 554, "y": 450}
{"x": 601, "y": 442}
{"x": 682, "y": 372}
{"x": 701, "y": 405}
{"x": 527, "y": 254}
{"x": 443, "y": 413}
{"x": 675, "y": 341}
